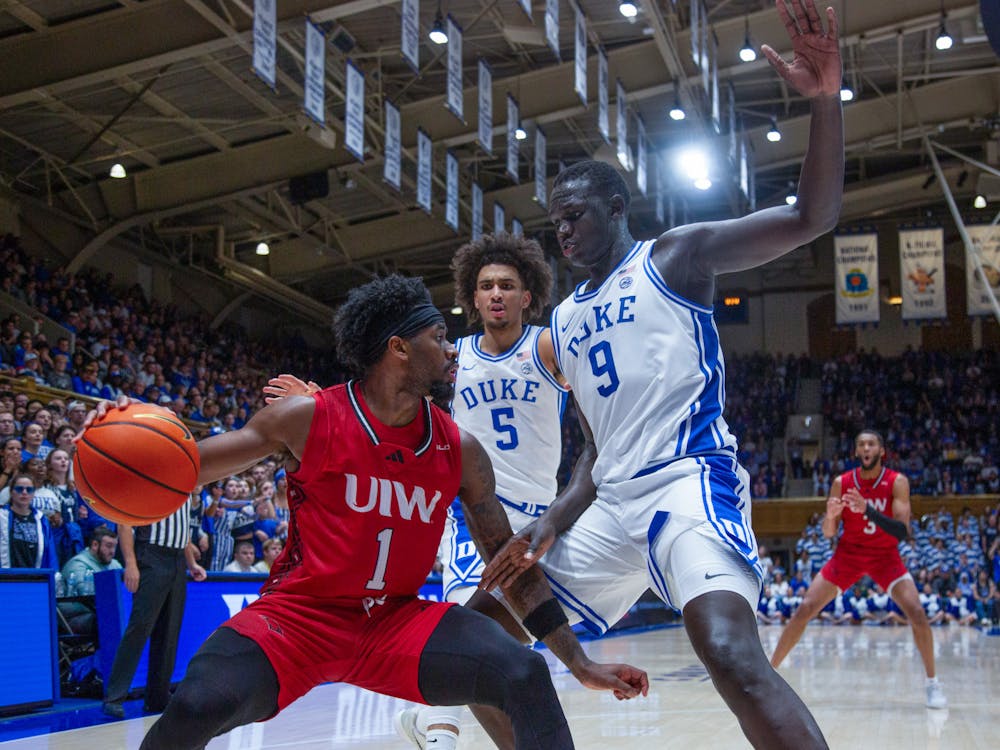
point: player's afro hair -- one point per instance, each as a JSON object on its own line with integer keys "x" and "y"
{"x": 369, "y": 309}
{"x": 605, "y": 180}
{"x": 504, "y": 249}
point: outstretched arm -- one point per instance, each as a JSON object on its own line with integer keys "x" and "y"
{"x": 689, "y": 257}
{"x": 529, "y": 594}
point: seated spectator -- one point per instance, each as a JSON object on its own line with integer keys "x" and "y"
{"x": 87, "y": 383}
{"x": 58, "y": 376}
{"x": 57, "y": 498}
{"x": 25, "y": 535}
{"x": 32, "y": 368}
{"x": 99, "y": 555}
{"x": 76, "y": 413}
{"x": 8, "y": 427}
{"x": 242, "y": 559}
{"x": 34, "y": 442}
{"x": 10, "y": 464}
{"x": 272, "y": 548}
{"x": 959, "y": 608}
{"x": 984, "y": 594}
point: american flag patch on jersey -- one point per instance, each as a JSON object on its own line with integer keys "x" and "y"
{"x": 523, "y": 355}
{"x": 624, "y": 271}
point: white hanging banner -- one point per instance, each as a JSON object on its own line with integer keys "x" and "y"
{"x": 513, "y": 121}
{"x": 354, "y": 114}
{"x": 659, "y": 199}
{"x": 744, "y": 167}
{"x": 390, "y": 167}
{"x": 451, "y": 202}
{"x": 409, "y": 43}
{"x": 602, "y": 96}
{"x": 621, "y": 126}
{"x": 516, "y": 228}
{"x": 713, "y": 62}
{"x": 477, "y": 211}
{"x": 580, "y": 57}
{"x": 856, "y": 268}
{"x": 425, "y": 160}
{"x": 455, "y": 97}
{"x": 734, "y": 144}
{"x": 541, "y": 189}
{"x": 552, "y": 25}
{"x": 696, "y": 31}
{"x": 640, "y": 157}
{"x": 499, "y": 217}
{"x": 703, "y": 44}
{"x": 526, "y": 6}
{"x": 485, "y": 135}
{"x": 985, "y": 239}
{"x": 921, "y": 261}
{"x": 314, "y": 94}
{"x": 265, "y": 40}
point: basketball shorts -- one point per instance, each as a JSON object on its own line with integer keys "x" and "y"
{"x": 848, "y": 564}
{"x": 625, "y": 543}
{"x": 309, "y": 642}
{"x": 460, "y": 560}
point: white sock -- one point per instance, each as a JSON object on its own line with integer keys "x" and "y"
{"x": 441, "y": 739}
{"x": 932, "y": 680}
{"x": 429, "y": 715}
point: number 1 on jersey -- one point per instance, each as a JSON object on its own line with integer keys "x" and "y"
{"x": 601, "y": 364}
{"x": 377, "y": 581}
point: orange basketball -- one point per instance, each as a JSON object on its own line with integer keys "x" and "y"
{"x": 136, "y": 465}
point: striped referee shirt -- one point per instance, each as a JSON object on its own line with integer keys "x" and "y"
{"x": 172, "y": 532}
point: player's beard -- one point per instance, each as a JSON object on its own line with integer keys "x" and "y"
{"x": 441, "y": 394}
{"x": 869, "y": 464}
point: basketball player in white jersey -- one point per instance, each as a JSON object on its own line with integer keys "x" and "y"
{"x": 638, "y": 344}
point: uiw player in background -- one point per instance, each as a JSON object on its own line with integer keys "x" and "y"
{"x": 873, "y": 503}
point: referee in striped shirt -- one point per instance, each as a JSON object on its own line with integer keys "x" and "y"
{"x": 157, "y": 558}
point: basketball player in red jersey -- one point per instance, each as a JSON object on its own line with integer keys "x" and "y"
{"x": 874, "y": 504}
{"x": 372, "y": 469}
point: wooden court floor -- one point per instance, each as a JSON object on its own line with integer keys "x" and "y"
{"x": 864, "y": 684}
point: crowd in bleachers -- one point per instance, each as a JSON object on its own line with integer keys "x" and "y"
{"x": 955, "y": 564}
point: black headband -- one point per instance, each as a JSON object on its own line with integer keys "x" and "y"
{"x": 416, "y": 319}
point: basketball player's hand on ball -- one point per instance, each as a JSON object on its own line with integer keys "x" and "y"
{"x": 624, "y": 680}
{"x": 855, "y": 501}
{"x": 288, "y": 385}
{"x": 518, "y": 554}
{"x": 816, "y": 68}
{"x": 102, "y": 408}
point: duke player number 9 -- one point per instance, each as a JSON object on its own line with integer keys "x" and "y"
{"x": 603, "y": 363}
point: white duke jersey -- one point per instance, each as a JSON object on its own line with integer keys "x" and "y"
{"x": 646, "y": 370}
{"x": 513, "y": 406}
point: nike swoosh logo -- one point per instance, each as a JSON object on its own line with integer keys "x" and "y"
{"x": 709, "y": 577}
{"x": 470, "y": 367}
{"x": 564, "y": 328}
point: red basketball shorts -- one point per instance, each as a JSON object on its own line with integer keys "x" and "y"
{"x": 310, "y": 641}
{"x": 848, "y": 564}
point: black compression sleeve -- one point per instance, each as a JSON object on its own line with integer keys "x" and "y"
{"x": 888, "y": 525}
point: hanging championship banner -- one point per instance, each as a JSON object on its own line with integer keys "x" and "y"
{"x": 696, "y": 31}
{"x": 985, "y": 239}
{"x": 410, "y": 34}
{"x": 672, "y": 216}
{"x": 513, "y": 121}
{"x": 541, "y": 191}
{"x": 744, "y": 168}
{"x": 265, "y": 40}
{"x": 499, "y": 217}
{"x": 580, "y": 57}
{"x": 424, "y": 165}
{"x": 713, "y": 61}
{"x": 703, "y": 43}
{"x": 390, "y": 167}
{"x": 734, "y": 145}
{"x": 921, "y": 273}
{"x": 659, "y": 197}
{"x": 477, "y": 211}
{"x": 621, "y": 126}
{"x": 602, "y": 96}
{"x": 516, "y": 227}
{"x": 454, "y": 100}
{"x": 526, "y": 6}
{"x": 640, "y": 157}
{"x": 485, "y": 135}
{"x": 451, "y": 201}
{"x": 552, "y": 25}
{"x": 314, "y": 94}
{"x": 354, "y": 113}
{"x": 856, "y": 268}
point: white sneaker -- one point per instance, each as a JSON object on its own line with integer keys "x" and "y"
{"x": 405, "y": 723}
{"x": 935, "y": 696}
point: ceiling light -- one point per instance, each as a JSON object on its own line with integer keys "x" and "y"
{"x": 694, "y": 164}
{"x": 263, "y": 249}
{"x": 774, "y": 135}
{"x": 703, "y": 183}
{"x": 627, "y": 9}
{"x": 437, "y": 33}
{"x": 747, "y": 52}
{"x": 846, "y": 92}
{"x": 520, "y": 133}
{"x": 944, "y": 40}
{"x": 117, "y": 171}
{"x": 979, "y": 202}
{"x": 457, "y": 310}
{"x": 791, "y": 199}
{"x": 677, "y": 111}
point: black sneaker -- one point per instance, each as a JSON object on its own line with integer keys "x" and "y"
{"x": 114, "y": 710}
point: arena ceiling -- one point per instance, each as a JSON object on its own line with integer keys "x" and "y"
{"x": 165, "y": 87}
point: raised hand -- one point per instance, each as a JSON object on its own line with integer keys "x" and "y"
{"x": 816, "y": 68}
{"x": 288, "y": 385}
{"x": 834, "y": 507}
{"x": 855, "y": 500}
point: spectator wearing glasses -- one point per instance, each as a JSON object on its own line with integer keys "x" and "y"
{"x": 8, "y": 427}
{"x": 87, "y": 383}
{"x": 25, "y": 535}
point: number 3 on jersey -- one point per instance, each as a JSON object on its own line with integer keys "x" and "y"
{"x": 603, "y": 364}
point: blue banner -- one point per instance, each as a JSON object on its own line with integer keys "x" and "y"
{"x": 409, "y": 43}
{"x": 314, "y": 94}
{"x": 424, "y": 166}
{"x": 354, "y": 115}
{"x": 513, "y": 122}
{"x": 265, "y": 40}
{"x": 541, "y": 189}
{"x": 477, "y": 211}
{"x": 499, "y": 217}
{"x": 451, "y": 203}
{"x": 390, "y": 167}
{"x": 485, "y": 134}
{"x": 454, "y": 100}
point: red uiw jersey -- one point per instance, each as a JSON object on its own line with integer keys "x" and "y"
{"x": 858, "y": 530}
{"x": 369, "y": 501}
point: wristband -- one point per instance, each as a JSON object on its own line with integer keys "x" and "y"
{"x": 544, "y": 619}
